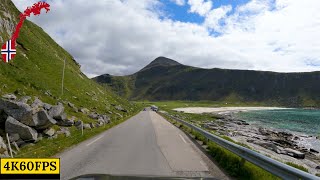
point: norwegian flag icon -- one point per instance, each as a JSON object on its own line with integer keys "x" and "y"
{"x": 8, "y": 51}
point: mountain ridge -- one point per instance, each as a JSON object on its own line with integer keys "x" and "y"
{"x": 182, "y": 82}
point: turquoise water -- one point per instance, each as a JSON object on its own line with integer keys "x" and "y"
{"x": 298, "y": 120}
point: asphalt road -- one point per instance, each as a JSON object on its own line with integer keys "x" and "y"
{"x": 146, "y": 144}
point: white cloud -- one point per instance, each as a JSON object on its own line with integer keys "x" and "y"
{"x": 201, "y": 7}
{"x": 179, "y": 2}
{"x": 120, "y": 37}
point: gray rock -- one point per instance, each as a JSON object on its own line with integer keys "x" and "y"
{"x": 119, "y": 108}
{"x": 25, "y": 132}
{"x": 49, "y": 132}
{"x": 53, "y": 137}
{"x": 84, "y": 110}
{"x": 318, "y": 167}
{"x": 48, "y": 93}
{"x": 294, "y": 153}
{"x": 314, "y": 151}
{"x": 9, "y": 96}
{"x": 78, "y": 124}
{"x": 3, "y": 116}
{"x": 86, "y": 126}
{"x": 56, "y": 111}
{"x": 62, "y": 117}
{"x": 42, "y": 120}
{"x": 71, "y": 105}
{"x": 47, "y": 106}
{"x": 94, "y": 115}
{"x": 19, "y": 111}
{"x": 3, "y": 146}
{"x": 64, "y": 131}
{"x": 37, "y": 103}
{"x": 105, "y": 118}
{"x": 92, "y": 125}
{"x": 119, "y": 115}
{"x": 65, "y": 123}
{"x": 25, "y": 99}
{"x": 14, "y": 137}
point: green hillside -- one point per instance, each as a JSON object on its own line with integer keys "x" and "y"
{"x": 161, "y": 80}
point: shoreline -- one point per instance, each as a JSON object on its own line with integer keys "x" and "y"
{"x": 282, "y": 145}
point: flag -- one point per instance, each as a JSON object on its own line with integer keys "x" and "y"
{"x": 8, "y": 51}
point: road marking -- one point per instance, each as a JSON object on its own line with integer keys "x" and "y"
{"x": 94, "y": 140}
{"x": 183, "y": 139}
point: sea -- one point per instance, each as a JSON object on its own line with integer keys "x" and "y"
{"x": 301, "y": 121}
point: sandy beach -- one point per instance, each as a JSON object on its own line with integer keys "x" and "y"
{"x": 223, "y": 110}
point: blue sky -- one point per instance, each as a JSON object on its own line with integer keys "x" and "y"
{"x": 181, "y": 13}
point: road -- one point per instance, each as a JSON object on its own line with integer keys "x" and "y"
{"x": 146, "y": 144}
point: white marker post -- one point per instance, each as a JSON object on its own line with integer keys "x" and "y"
{"x": 62, "y": 83}
{"x": 82, "y": 128}
{"x": 9, "y": 145}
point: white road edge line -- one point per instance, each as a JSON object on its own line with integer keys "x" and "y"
{"x": 94, "y": 140}
{"x": 183, "y": 139}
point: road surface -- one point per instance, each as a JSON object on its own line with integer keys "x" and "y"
{"x": 146, "y": 144}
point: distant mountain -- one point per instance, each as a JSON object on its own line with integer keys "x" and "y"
{"x": 166, "y": 79}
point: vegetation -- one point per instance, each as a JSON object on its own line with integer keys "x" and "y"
{"x": 297, "y": 166}
{"x": 162, "y": 80}
{"x": 231, "y": 163}
{"x": 37, "y": 71}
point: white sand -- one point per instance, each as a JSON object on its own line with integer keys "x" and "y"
{"x": 223, "y": 110}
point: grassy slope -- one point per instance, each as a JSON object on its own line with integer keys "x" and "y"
{"x": 37, "y": 68}
{"x": 186, "y": 83}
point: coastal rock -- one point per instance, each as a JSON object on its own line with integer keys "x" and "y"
{"x": 14, "y": 137}
{"x": 25, "y": 132}
{"x": 65, "y": 123}
{"x": 314, "y": 151}
{"x": 86, "y": 126}
{"x": 294, "y": 153}
{"x": 19, "y": 111}
{"x": 64, "y": 131}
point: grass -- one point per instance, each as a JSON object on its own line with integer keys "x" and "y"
{"x": 49, "y": 148}
{"x": 231, "y": 163}
{"x": 37, "y": 68}
{"x": 297, "y": 166}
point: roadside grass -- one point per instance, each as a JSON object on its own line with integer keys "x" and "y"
{"x": 231, "y": 163}
{"x": 297, "y": 166}
{"x": 51, "y": 147}
{"x": 182, "y": 104}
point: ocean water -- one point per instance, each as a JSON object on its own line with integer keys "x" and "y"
{"x": 296, "y": 120}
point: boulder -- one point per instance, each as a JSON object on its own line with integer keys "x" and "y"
{"x": 64, "y": 131}
{"x": 3, "y": 117}
{"x": 318, "y": 167}
{"x": 78, "y": 124}
{"x": 92, "y": 125}
{"x": 119, "y": 108}
{"x": 71, "y": 105}
{"x": 42, "y": 120}
{"x": 84, "y": 110}
{"x": 94, "y": 115}
{"x": 25, "y": 99}
{"x": 37, "y": 103}
{"x": 62, "y": 117}
{"x": 65, "y": 123}
{"x": 86, "y": 126}
{"x": 49, "y": 132}
{"x": 105, "y": 118}
{"x": 47, "y": 106}
{"x": 56, "y": 111}
{"x": 3, "y": 146}
{"x": 119, "y": 115}
{"x": 53, "y": 137}
{"x": 314, "y": 151}
{"x": 294, "y": 153}
{"x": 25, "y": 132}
{"x": 14, "y": 137}
{"x": 19, "y": 111}
{"x": 9, "y": 96}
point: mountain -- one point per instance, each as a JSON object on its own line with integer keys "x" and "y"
{"x": 38, "y": 67}
{"x": 166, "y": 79}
